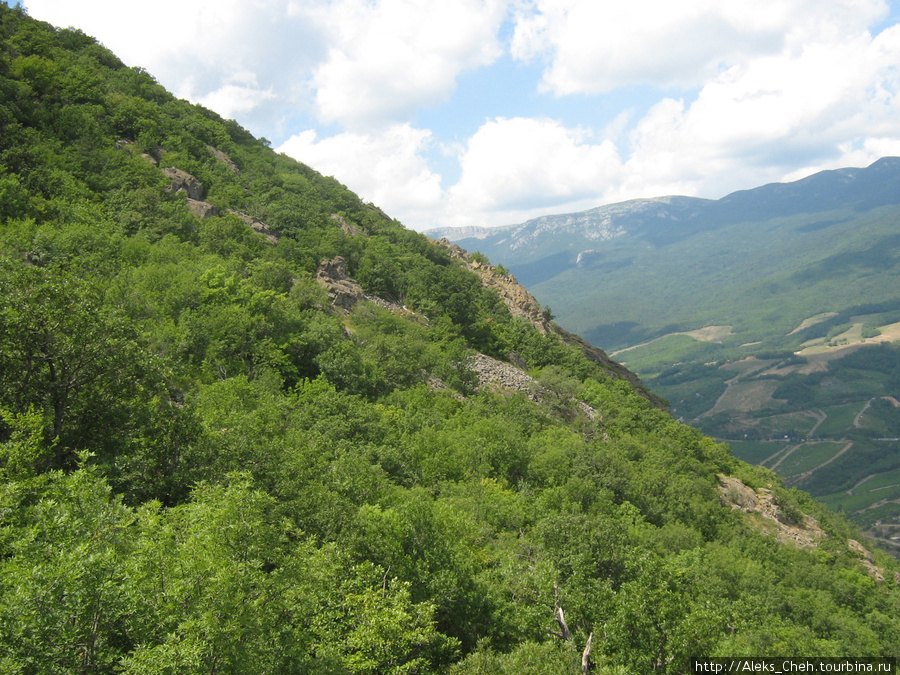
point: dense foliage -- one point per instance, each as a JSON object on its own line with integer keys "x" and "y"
{"x": 206, "y": 468}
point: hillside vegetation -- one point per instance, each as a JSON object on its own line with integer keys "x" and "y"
{"x": 250, "y": 424}
{"x": 746, "y": 314}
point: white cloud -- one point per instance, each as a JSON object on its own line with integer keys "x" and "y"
{"x": 387, "y": 168}
{"x": 599, "y": 46}
{"x": 745, "y": 93}
{"x": 519, "y": 164}
{"x": 232, "y": 100}
{"x": 757, "y": 121}
{"x": 236, "y": 56}
{"x": 391, "y": 57}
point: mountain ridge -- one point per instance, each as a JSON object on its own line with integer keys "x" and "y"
{"x": 837, "y": 187}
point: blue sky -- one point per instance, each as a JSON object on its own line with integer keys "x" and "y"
{"x": 490, "y": 112}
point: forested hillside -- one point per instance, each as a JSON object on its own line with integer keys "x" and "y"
{"x": 250, "y": 424}
{"x": 769, "y": 319}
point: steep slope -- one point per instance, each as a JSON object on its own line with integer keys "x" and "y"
{"x": 250, "y": 424}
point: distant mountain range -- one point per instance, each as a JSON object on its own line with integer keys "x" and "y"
{"x": 723, "y": 248}
{"x": 748, "y": 314}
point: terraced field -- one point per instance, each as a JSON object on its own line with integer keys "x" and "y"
{"x": 824, "y": 413}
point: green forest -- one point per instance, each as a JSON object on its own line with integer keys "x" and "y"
{"x": 208, "y": 466}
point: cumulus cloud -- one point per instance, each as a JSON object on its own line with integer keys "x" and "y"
{"x": 232, "y": 100}
{"x": 391, "y": 57}
{"x": 817, "y": 107}
{"x": 699, "y": 97}
{"x": 387, "y": 168}
{"x": 247, "y": 57}
{"x": 516, "y": 165}
{"x": 594, "y": 47}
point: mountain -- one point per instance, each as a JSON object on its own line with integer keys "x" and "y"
{"x": 747, "y": 314}
{"x": 544, "y": 247}
{"x": 251, "y": 424}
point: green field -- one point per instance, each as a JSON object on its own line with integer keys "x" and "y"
{"x": 839, "y": 419}
{"x": 879, "y": 488}
{"x": 808, "y": 457}
{"x": 755, "y": 452}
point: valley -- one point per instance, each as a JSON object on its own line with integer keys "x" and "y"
{"x": 821, "y": 436}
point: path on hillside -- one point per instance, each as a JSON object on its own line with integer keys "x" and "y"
{"x": 861, "y": 413}
{"x": 800, "y": 476}
{"x": 820, "y": 416}
{"x": 785, "y": 455}
{"x": 728, "y": 385}
{"x": 880, "y": 502}
{"x": 850, "y": 491}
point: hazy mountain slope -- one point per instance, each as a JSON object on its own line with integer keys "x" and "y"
{"x": 250, "y": 424}
{"x": 666, "y": 219}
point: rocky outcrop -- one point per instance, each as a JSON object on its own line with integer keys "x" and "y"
{"x": 345, "y": 291}
{"x": 495, "y": 374}
{"x": 130, "y": 146}
{"x": 867, "y": 560}
{"x": 347, "y": 227}
{"x": 333, "y": 277}
{"x": 519, "y": 301}
{"x": 201, "y": 209}
{"x": 182, "y": 181}
{"x": 225, "y": 159}
{"x": 800, "y": 530}
{"x": 257, "y": 225}
{"x": 523, "y": 304}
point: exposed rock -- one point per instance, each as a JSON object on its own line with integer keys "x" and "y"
{"x": 437, "y": 384}
{"x": 182, "y": 181}
{"x": 804, "y": 534}
{"x": 519, "y": 301}
{"x": 255, "y": 223}
{"x": 129, "y": 146}
{"x": 202, "y": 209}
{"x": 772, "y": 520}
{"x": 523, "y": 304}
{"x": 225, "y": 159}
{"x": 344, "y": 291}
{"x": 866, "y": 559}
{"x": 495, "y": 374}
{"x": 347, "y": 227}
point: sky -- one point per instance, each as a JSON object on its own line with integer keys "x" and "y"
{"x": 491, "y": 112}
